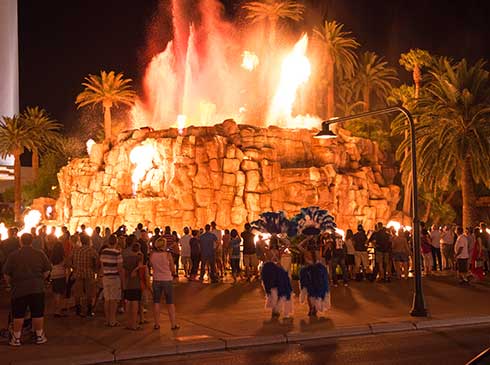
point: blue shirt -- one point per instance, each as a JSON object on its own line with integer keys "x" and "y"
{"x": 208, "y": 241}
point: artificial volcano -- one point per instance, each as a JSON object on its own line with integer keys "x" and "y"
{"x": 228, "y": 173}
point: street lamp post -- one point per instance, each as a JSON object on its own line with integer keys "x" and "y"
{"x": 418, "y": 306}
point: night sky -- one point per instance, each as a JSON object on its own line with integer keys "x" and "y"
{"x": 61, "y": 42}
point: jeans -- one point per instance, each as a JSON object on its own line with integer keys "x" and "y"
{"x": 339, "y": 260}
{"x": 448, "y": 256}
{"x": 436, "y": 258}
{"x": 195, "y": 264}
{"x": 210, "y": 263}
{"x": 235, "y": 266}
{"x": 176, "y": 258}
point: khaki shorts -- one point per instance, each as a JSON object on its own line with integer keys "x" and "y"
{"x": 250, "y": 260}
{"x": 84, "y": 287}
{"x": 361, "y": 258}
{"x": 112, "y": 287}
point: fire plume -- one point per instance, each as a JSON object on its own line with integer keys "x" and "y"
{"x": 141, "y": 156}
{"x": 295, "y": 71}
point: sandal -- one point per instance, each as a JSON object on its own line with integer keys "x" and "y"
{"x": 137, "y": 328}
{"x": 156, "y": 327}
{"x": 176, "y": 327}
{"x": 115, "y": 324}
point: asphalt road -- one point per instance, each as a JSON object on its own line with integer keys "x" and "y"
{"x": 452, "y": 346}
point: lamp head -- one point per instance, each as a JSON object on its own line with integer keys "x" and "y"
{"x": 325, "y": 133}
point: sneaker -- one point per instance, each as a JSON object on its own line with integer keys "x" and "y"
{"x": 40, "y": 339}
{"x": 346, "y": 284}
{"x": 14, "y": 341}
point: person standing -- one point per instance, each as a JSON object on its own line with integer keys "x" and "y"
{"x": 195, "y": 244}
{"x": 208, "y": 246}
{"x": 382, "y": 247}
{"x": 162, "y": 262}
{"x": 461, "y": 254}
{"x": 58, "y": 279}
{"x": 218, "y": 250}
{"x": 435, "y": 242}
{"x": 401, "y": 252}
{"x": 185, "y": 252}
{"x": 25, "y": 270}
{"x": 97, "y": 240}
{"x": 360, "y": 254}
{"x": 426, "y": 248}
{"x": 226, "y": 248}
{"x": 173, "y": 246}
{"x": 111, "y": 262}
{"x": 447, "y": 248}
{"x": 10, "y": 244}
{"x": 339, "y": 255}
{"x": 235, "y": 254}
{"x": 485, "y": 246}
{"x": 350, "y": 259}
{"x": 84, "y": 264}
{"x": 249, "y": 252}
{"x": 132, "y": 285}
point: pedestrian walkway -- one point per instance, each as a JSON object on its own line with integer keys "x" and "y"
{"x": 215, "y": 316}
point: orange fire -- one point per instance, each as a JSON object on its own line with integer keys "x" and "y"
{"x": 295, "y": 71}
{"x": 249, "y": 61}
{"x": 142, "y": 156}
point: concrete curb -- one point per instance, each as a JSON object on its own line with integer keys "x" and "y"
{"x": 250, "y": 341}
{"x": 199, "y": 346}
{"x": 462, "y": 321}
{"x": 333, "y": 333}
{"x": 85, "y": 359}
{"x": 377, "y": 328}
{"x": 136, "y": 353}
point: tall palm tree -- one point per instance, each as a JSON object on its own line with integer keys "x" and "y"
{"x": 15, "y": 136}
{"x": 109, "y": 89}
{"x": 453, "y": 132}
{"x": 271, "y": 11}
{"x": 413, "y": 61}
{"x": 339, "y": 55}
{"x": 45, "y": 136}
{"x": 373, "y": 76}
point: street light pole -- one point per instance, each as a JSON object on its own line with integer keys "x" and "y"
{"x": 418, "y": 306}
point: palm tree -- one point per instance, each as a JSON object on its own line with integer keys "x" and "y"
{"x": 15, "y": 136}
{"x": 46, "y": 133}
{"x": 453, "y": 132}
{"x": 373, "y": 76}
{"x": 413, "y": 61}
{"x": 271, "y": 11}
{"x": 109, "y": 89}
{"x": 339, "y": 55}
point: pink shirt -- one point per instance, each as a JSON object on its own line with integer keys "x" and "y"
{"x": 161, "y": 266}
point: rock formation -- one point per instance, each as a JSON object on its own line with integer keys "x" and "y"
{"x": 228, "y": 173}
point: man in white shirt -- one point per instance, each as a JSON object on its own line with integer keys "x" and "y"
{"x": 461, "y": 255}
{"x": 435, "y": 242}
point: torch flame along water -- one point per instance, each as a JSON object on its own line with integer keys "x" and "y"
{"x": 295, "y": 71}
{"x": 181, "y": 120}
{"x": 142, "y": 156}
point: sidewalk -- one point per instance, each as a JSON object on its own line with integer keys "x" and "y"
{"x": 220, "y": 316}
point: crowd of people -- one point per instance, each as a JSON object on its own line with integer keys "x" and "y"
{"x": 129, "y": 269}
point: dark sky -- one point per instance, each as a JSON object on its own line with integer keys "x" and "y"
{"x": 61, "y": 42}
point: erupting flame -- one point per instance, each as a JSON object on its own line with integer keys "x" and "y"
{"x": 397, "y": 225}
{"x": 340, "y": 232}
{"x": 250, "y": 61}
{"x": 90, "y": 143}
{"x": 181, "y": 119}
{"x": 3, "y": 231}
{"x": 58, "y": 232}
{"x": 89, "y": 231}
{"x": 265, "y": 236}
{"x": 295, "y": 71}
{"x": 31, "y": 220}
{"x": 142, "y": 156}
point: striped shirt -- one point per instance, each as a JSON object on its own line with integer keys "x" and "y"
{"x": 110, "y": 258}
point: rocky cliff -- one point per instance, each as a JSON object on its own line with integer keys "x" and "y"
{"x": 228, "y": 173}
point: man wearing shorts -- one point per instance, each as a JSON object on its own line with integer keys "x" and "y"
{"x": 461, "y": 255}
{"x": 112, "y": 268}
{"x": 25, "y": 270}
{"x": 360, "y": 255}
{"x": 84, "y": 264}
